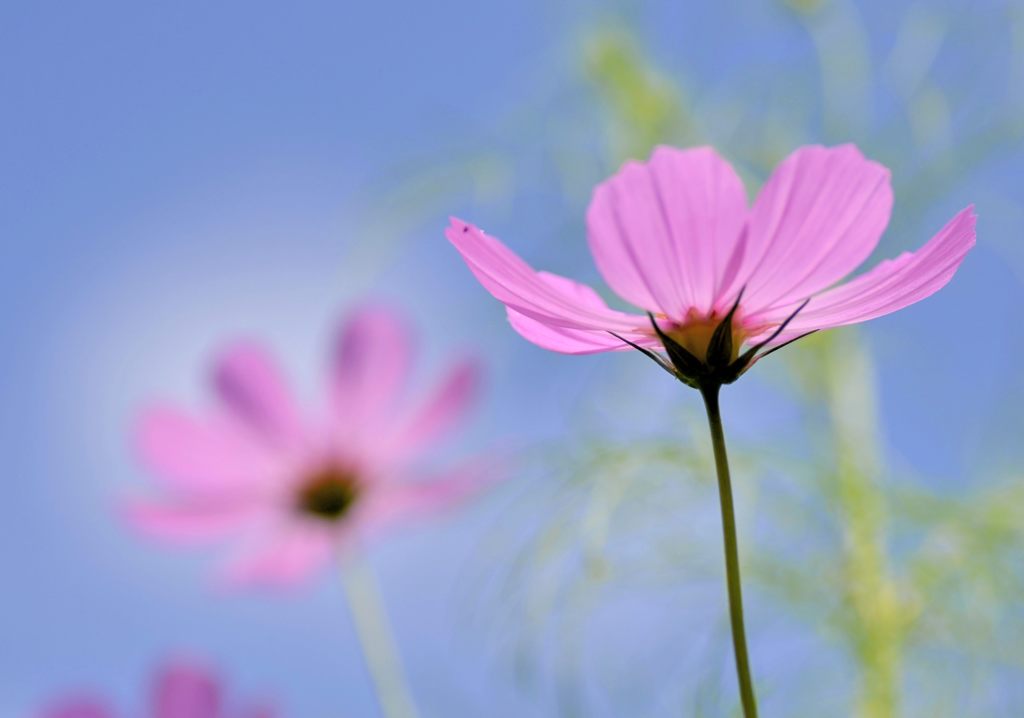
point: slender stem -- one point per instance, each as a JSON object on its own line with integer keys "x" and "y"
{"x": 376, "y": 639}
{"x": 732, "y": 562}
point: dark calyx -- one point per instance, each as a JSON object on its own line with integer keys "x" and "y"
{"x": 718, "y": 367}
{"x": 329, "y": 494}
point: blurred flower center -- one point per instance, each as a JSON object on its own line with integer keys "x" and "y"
{"x": 329, "y": 493}
{"x": 694, "y": 333}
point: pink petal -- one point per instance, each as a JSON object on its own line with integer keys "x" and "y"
{"x": 444, "y": 408}
{"x": 563, "y": 340}
{"x": 817, "y": 218}
{"x": 185, "y": 691}
{"x": 286, "y": 557}
{"x": 199, "y": 521}
{"x": 78, "y": 708}
{"x": 892, "y": 285}
{"x": 371, "y": 362}
{"x": 251, "y": 385}
{"x": 396, "y": 502}
{"x": 204, "y": 457}
{"x": 663, "y": 233}
{"x": 513, "y": 282}
{"x": 575, "y": 341}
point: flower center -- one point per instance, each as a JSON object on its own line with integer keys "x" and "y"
{"x": 694, "y": 334}
{"x": 329, "y": 493}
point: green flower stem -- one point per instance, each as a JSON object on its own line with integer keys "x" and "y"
{"x": 375, "y": 637}
{"x": 732, "y": 561}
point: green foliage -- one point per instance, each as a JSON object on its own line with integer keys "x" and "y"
{"x": 644, "y": 107}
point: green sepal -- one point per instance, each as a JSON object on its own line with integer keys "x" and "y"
{"x": 720, "y": 347}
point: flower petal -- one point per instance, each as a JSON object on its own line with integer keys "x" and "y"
{"x": 198, "y": 456}
{"x": 663, "y": 233}
{"x": 372, "y": 358}
{"x": 571, "y": 341}
{"x": 184, "y": 691}
{"x": 287, "y": 556}
{"x": 401, "y": 501}
{"x": 188, "y": 522}
{"x": 516, "y": 284}
{"x": 249, "y": 382}
{"x": 443, "y": 409}
{"x": 576, "y": 341}
{"x": 819, "y": 216}
{"x": 890, "y": 286}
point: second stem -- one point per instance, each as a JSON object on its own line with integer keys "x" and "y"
{"x": 375, "y": 636}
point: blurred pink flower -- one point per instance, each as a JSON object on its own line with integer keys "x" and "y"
{"x": 180, "y": 690}
{"x": 295, "y": 489}
{"x": 674, "y": 236}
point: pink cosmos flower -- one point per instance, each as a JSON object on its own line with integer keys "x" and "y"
{"x": 296, "y": 488}
{"x": 180, "y": 690}
{"x": 675, "y": 237}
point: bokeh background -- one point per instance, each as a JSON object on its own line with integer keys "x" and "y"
{"x": 177, "y": 175}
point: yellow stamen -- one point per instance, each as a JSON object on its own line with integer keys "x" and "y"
{"x": 694, "y": 334}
